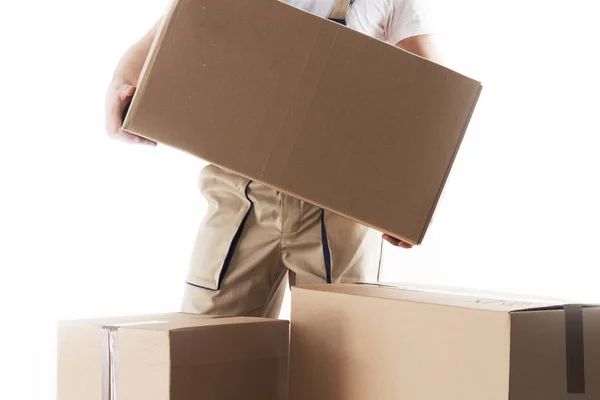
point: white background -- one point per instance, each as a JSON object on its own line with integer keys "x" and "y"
{"x": 93, "y": 227}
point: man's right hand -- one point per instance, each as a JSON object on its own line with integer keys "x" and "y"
{"x": 118, "y": 97}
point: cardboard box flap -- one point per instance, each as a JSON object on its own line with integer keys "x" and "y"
{"x": 445, "y": 296}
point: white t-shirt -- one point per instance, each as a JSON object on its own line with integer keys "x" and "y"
{"x": 387, "y": 20}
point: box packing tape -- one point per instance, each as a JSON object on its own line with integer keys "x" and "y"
{"x": 575, "y": 348}
{"x": 110, "y": 347}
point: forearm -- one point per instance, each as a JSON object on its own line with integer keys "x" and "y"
{"x": 130, "y": 66}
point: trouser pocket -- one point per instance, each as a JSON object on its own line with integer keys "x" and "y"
{"x": 221, "y": 228}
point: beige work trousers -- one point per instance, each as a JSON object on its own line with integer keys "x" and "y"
{"x": 254, "y": 237}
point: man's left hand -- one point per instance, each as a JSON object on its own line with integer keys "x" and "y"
{"x": 397, "y": 242}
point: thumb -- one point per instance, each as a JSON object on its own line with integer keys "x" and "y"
{"x": 126, "y": 92}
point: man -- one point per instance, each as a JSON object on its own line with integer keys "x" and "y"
{"x": 253, "y": 237}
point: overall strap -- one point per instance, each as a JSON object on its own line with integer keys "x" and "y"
{"x": 340, "y": 10}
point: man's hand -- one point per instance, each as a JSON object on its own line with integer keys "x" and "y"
{"x": 118, "y": 97}
{"x": 397, "y": 242}
{"x": 122, "y": 87}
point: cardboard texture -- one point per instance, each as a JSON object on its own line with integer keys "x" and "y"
{"x": 356, "y": 342}
{"x": 173, "y": 357}
{"x": 307, "y": 106}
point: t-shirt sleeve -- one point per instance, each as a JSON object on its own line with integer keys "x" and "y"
{"x": 408, "y": 18}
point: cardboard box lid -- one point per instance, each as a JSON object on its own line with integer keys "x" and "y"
{"x": 305, "y": 105}
{"x": 445, "y": 296}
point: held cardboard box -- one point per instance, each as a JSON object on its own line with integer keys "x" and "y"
{"x": 173, "y": 357}
{"x": 357, "y": 342}
{"x": 307, "y": 106}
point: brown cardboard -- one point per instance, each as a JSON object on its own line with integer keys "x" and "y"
{"x": 305, "y": 105}
{"x": 173, "y": 357}
{"x": 356, "y": 342}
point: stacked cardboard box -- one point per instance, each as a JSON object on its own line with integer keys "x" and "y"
{"x": 357, "y": 342}
{"x": 173, "y": 357}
